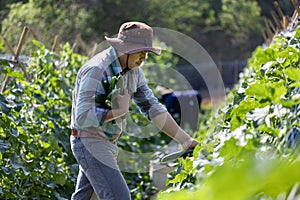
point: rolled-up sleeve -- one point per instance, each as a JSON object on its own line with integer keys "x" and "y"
{"x": 87, "y": 113}
{"x": 145, "y": 99}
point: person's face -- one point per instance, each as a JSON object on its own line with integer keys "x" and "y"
{"x": 136, "y": 59}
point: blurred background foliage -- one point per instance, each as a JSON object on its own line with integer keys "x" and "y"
{"x": 217, "y": 25}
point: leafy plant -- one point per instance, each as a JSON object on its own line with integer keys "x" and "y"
{"x": 35, "y": 153}
{"x": 252, "y": 151}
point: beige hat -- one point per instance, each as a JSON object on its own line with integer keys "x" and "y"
{"x": 134, "y": 37}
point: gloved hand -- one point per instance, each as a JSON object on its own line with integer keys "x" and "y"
{"x": 121, "y": 101}
{"x": 189, "y": 144}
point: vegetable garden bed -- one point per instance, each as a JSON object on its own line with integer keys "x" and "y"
{"x": 250, "y": 146}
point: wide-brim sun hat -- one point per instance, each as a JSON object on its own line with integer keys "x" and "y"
{"x": 134, "y": 37}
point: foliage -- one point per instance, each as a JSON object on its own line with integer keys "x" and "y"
{"x": 240, "y": 25}
{"x": 252, "y": 150}
{"x": 1, "y": 47}
{"x": 268, "y": 6}
{"x": 206, "y": 21}
{"x": 35, "y": 154}
{"x": 12, "y": 26}
{"x": 250, "y": 179}
{"x": 46, "y": 19}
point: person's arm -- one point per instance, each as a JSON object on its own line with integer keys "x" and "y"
{"x": 159, "y": 115}
{"x": 86, "y": 113}
{"x": 167, "y": 124}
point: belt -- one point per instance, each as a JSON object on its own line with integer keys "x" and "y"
{"x": 85, "y": 134}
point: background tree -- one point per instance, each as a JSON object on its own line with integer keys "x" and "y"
{"x": 217, "y": 25}
{"x": 46, "y": 19}
{"x": 242, "y": 24}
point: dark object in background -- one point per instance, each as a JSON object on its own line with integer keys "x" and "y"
{"x": 184, "y": 106}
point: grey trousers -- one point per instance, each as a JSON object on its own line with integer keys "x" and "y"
{"x": 98, "y": 170}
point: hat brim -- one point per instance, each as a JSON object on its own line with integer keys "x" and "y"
{"x": 130, "y": 48}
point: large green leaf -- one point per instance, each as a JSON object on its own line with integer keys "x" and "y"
{"x": 292, "y": 73}
{"x": 259, "y": 90}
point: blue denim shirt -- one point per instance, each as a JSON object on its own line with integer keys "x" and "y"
{"x": 87, "y": 116}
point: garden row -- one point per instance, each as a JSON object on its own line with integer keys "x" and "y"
{"x": 249, "y": 147}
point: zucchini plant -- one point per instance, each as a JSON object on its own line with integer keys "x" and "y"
{"x": 35, "y": 153}
{"x": 249, "y": 147}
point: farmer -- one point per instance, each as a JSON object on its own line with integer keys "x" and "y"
{"x": 98, "y": 118}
